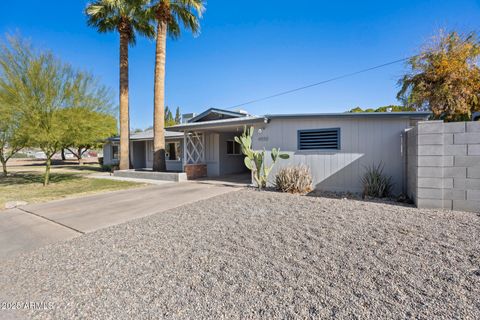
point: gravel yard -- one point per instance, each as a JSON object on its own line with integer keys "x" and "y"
{"x": 250, "y": 254}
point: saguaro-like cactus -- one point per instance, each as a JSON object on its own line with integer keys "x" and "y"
{"x": 255, "y": 160}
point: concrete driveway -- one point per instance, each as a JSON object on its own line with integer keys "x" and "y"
{"x": 33, "y": 226}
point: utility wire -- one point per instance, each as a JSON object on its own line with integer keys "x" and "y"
{"x": 319, "y": 83}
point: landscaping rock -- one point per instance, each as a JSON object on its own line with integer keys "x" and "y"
{"x": 261, "y": 255}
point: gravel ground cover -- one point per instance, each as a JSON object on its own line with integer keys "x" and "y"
{"x": 267, "y": 255}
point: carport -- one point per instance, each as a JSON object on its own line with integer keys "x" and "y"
{"x": 210, "y": 148}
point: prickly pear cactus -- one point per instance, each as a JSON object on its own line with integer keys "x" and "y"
{"x": 255, "y": 160}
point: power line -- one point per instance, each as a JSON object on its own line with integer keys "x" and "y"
{"x": 319, "y": 83}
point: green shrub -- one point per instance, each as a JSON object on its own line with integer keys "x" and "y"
{"x": 375, "y": 183}
{"x": 294, "y": 180}
{"x": 100, "y": 161}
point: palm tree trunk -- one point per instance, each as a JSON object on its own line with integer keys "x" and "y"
{"x": 159, "y": 99}
{"x": 124, "y": 113}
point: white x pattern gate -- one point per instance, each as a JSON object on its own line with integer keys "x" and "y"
{"x": 194, "y": 151}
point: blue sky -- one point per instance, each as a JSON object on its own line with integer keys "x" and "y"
{"x": 250, "y": 48}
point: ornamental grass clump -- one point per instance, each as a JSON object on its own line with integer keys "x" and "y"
{"x": 375, "y": 183}
{"x": 294, "y": 180}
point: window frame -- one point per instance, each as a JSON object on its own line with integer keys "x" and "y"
{"x": 113, "y": 152}
{"x": 234, "y": 144}
{"x": 176, "y": 146}
{"x": 337, "y": 129}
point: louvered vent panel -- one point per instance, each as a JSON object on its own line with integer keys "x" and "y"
{"x": 319, "y": 139}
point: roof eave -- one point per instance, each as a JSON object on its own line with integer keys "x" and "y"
{"x": 412, "y": 115}
{"x": 216, "y": 110}
{"x": 146, "y": 138}
{"x": 216, "y": 124}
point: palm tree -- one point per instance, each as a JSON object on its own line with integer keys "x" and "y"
{"x": 169, "y": 15}
{"x": 128, "y": 17}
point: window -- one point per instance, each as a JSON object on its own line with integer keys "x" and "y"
{"x": 173, "y": 151}
{"x": 233, "y": 148}
{"x": 115, "y": 152}
{"x": 319, "y": 139}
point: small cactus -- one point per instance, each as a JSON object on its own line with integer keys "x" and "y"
{"x": 255, "y": 160}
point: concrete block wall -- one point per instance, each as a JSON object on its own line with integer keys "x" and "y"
{"x": 443, "y": 160}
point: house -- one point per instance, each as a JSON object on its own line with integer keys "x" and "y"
{"x": 141, "y": 150}
{"x": 335, "y": 146}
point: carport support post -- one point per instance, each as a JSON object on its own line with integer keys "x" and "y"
{"x": 203, "y": 147}
{"x": 185, "y": 133}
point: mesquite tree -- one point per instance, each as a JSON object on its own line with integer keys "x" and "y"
{"x": 45, "y": 93}
{"x": 13, "y": 60}
{"x": 12, "y": 134}
{"x": 86, "y": 129}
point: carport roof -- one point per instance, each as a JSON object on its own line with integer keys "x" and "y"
{"x": 216, "y": 124}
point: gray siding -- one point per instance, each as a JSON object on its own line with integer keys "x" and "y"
{"x": 149, "y": 154}
{"x": 216, "y": 157}
{"x": 142, "y": 155}
{"x": 230, "y": 164}
{"x": 139, "y": 154}
{"x": 172, "y": 165}
{"x": 212, "y": 154}
{"x": 364, "y": 141}
{"x": 107, "y": 153}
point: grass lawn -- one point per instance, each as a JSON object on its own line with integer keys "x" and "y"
{"x": 38, "y": 166}
{"x": 27, "y": 186}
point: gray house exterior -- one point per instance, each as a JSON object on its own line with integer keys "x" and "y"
{"x": 141, "y": 154}
{"x": 335, "y": 146}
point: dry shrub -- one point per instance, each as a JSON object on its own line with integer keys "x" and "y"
{"x": 294, "y": 180}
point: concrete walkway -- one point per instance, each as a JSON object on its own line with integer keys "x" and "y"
{"x": 22, "y": 232}
{"x": 34, "y": 226}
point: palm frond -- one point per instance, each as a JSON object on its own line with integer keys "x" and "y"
{"x": 185, "y": 13}
{"x": 188, "y": 19}
{"x": 109, "y": 15}
{"x": 143, "y": 25}
{"x": 174, "y": 29}
{"x": 191, "y": 5}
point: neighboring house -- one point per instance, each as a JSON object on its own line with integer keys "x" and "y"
{"x": 335, "y": 146}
